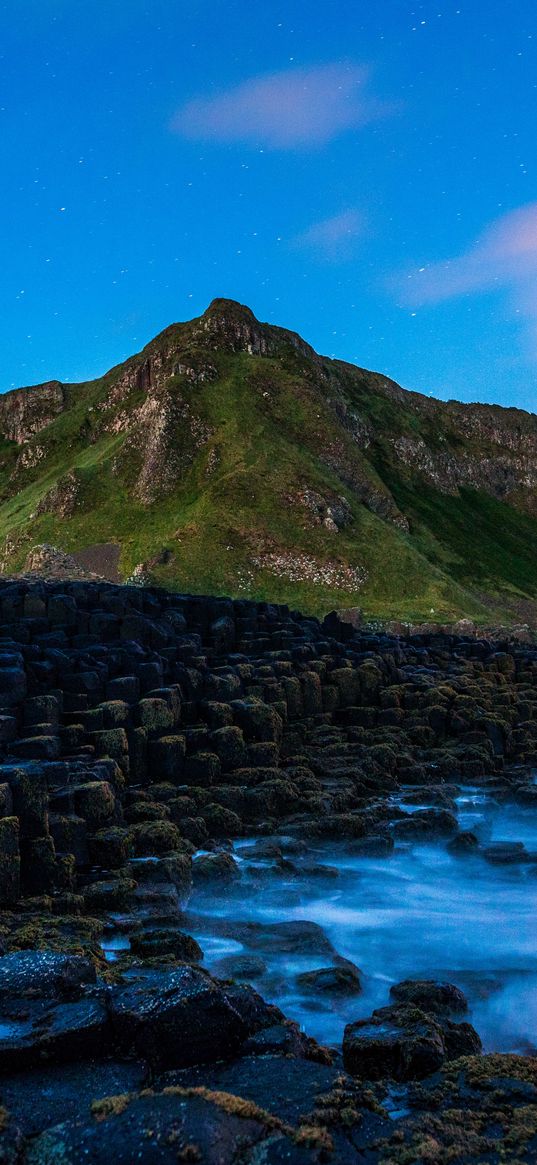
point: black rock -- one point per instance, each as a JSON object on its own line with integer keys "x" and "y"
{"x": 176, "y": 1017}
{"x": 44, "y": 973}
{"x": 430, "y": 995}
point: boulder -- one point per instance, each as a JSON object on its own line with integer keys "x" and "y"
{"x": 431, "y": 996}
{"x": 41, "y": 974}
{"x": 177, "y": 1017}
{"x": 505, "y": 853}
{"x": 464, "y": 843}
{"x": 399, "y": 1043}
{"x": 159, "y": 941}
{"x": 425, "y": 825}
{"x": 405, "y": 1042}
{"x": 245, "y": 967}
{"x": 219, "y": 869}
{"x": 154, "y": 837}
{"x": 344, "y": 980}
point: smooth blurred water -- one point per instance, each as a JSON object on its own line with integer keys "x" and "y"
{"x": 419, "y": 913}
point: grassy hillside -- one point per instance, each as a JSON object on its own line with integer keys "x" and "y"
{"x": 228, "y": 457}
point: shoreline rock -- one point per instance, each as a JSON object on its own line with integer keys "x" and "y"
{"x": 140, "y": 729}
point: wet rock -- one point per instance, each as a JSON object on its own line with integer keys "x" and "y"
{"x": 426, "y": 824}
{"x": 378, "y": 846}
{"x": 438, "y": 795}
{"x": 175, "y": 1018}
{"x": 306, "y": 938}
{"x": 461, "y": 1039}
{"x": 154, "y": 837}
{"x": 40, "y": 1030}
{"x": 332, "y": 826}
{"x": 256, "y": 1013}
{"x": 505, "y": 853}
{"x": 110, "y": 894}
{"x": 430, "y": 995}
{"x": 203, "y": 1127}
{"x": 245, "y": 967}
{"x": 463, "y": 843}
{"x": 173, "y": 869}
{"x": 405, "y": 1042}
{"x": 316, "y": 870}
{"x": 264, "y": 848}
{"x": 219, "y": 869}
{"x": 160, "y": 941}
{"x": 289, "y": 1088}
{"x": 331, "y": 981}
{"x": 45, "y": 1096}
{"x": 401, "y": 1043}
{"x": 44, "y": 973}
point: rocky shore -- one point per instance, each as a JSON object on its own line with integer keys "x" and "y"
{"x": 160, "y": 751}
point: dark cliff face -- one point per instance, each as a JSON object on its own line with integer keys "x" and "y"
{"x": 231, "y": 444}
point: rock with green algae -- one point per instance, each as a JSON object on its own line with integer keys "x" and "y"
{"x": 478, "y": 1110}
{"x": 177, "y": 1125}
{"x": 10, "y": 862}
{"x": 404, "y": 1042}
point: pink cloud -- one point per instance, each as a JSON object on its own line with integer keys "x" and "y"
{"x": 333, "y": 238}
{"x": 504, "y": 255}
{"x": 282, "y": 111}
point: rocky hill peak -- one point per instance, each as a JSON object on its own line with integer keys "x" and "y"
{"x": 228, "y": 456}
{"x": 231, "y": 326}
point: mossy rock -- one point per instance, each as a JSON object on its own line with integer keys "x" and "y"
{"x": 154, "y": 837}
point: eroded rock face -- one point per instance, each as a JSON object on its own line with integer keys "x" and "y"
{"x": 169, "y": 433}
{"x": 26, "y": 411}
{"x": 501, "y": 475}
{"x": 233, "y": 327}
{"x": 63, "y": 498}
{"x": 50, "y": 562}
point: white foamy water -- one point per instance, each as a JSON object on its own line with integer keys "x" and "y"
{"x": 421, "y": 913}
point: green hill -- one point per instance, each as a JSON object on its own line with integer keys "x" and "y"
{"x": 228, "y": 457}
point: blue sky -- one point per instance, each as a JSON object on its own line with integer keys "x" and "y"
{"x": 362, "y": 173}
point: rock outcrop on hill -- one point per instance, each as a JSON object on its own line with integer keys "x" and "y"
{"x": 228, "y": 456}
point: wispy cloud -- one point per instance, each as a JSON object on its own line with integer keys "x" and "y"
{"x": 503, "y": 257}
{"x": 505, "y": 254}
{"x": 333, "y": 238}
{"x": 283, "y": 111}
